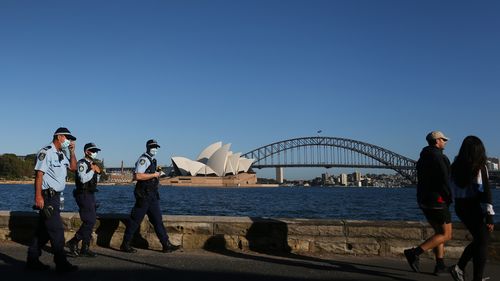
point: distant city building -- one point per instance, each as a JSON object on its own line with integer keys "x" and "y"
{"x": 356, "y": 176}
{"x": 119, "y": 175}
{"x": 343, "y": 179}
{"x": 327, "y": 179}
{"x": 492, "y": 166}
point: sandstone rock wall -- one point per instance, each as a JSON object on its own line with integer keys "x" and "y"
{"x": 266, "y": 235}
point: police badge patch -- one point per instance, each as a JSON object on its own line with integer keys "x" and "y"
{"x": 142, "y": 161}
{"x": 81, "y": 168}
{"x": 41, "y": 156}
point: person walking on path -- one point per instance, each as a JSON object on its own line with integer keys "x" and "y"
{"x": 147, "y": 200}
{"x": 434, "y": 198}
{"x": 86, "y": 185}
{"x": 473, "y": 205}
{"x": 50, "y": 180}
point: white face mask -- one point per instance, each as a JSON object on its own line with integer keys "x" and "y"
{"x": 65, "y": 143}
{"x": 93, "y": 155}
{"x": 153, "y": 151}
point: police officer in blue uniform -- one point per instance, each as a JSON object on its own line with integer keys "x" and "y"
{"x": 50, "y": 180}
{"x": 86, "y": 185}
{"x": 147, "y": 200}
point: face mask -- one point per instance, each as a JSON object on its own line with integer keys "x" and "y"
{"x": 65, "y": 143}
{"x": 153, "y": 151}
{"x": 93, "y": 155}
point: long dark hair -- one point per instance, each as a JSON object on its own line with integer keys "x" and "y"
{"x": 470, "y": 160}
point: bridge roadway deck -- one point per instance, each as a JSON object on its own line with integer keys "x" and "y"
{"x": 113, "y": 265}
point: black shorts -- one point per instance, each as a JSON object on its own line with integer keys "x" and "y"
{"x": 437, "y": 217}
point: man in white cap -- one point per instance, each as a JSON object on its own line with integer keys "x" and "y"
{"x": 434, "y": 198}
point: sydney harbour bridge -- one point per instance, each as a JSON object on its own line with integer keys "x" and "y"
{"x": 330, "y": 152}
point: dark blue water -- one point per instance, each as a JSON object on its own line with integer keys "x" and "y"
{"x": 283, "y": 202}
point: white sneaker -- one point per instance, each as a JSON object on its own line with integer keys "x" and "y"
{"x": 457, "y": 273}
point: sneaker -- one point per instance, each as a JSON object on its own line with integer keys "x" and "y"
{"x": 413, "y": 260}
{"x": 169, "y": 247}
{"x": 457, "y": 273}
{"x": 441, "y": 270}
{"x": 36, "y": 265}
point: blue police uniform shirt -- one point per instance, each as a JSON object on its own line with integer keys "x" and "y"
{"x": 82, "y": 172}
{"x": 54, "y": 165}
{"x": 142, "y": 164}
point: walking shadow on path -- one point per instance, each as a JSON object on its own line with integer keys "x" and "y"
{"x": 270, "y": 237}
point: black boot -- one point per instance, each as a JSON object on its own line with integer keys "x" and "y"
{"x": 127, "y": 248}
{"x": 72, "y": 247}
{"x": 85, "y": 252}
{"x": 169, "y": 247}
{"x": 36, "y": 265}
{"x": 63, "y": 265}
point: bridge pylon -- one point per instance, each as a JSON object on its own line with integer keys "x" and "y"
{"x": 280, "y": 172}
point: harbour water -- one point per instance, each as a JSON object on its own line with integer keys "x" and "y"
{"x": 281, "y": 202}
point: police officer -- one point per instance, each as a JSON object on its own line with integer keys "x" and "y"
{"x": 147, "y": 200}
{"x": 50, "y": 180}
{"x": 86, "y": 185}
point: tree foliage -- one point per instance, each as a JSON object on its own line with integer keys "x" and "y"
{"x": 13, "y": 167}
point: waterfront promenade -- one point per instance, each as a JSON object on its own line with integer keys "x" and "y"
{"x": 218, "y": 265}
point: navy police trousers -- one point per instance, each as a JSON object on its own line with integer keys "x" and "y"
{"x": 150, "y": 205}
{"x": 87, "y": 209}
{"x": 49, "y": 229}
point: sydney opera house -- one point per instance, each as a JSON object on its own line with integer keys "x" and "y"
{"x": 216, "y": 165}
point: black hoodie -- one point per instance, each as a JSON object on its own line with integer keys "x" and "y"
{"x": 433, "y": 171}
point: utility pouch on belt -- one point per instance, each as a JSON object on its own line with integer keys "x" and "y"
{"x": 49, "y": 193}
{"x": 47, "y": 210}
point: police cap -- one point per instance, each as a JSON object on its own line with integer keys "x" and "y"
{"x": 66, "y": 132}
{"x": 152, "y": 143}
{"x": 91, "y": 146}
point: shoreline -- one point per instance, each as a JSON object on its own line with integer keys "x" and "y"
{"x": 9, "y": 182}
{"x": 5, "y": 182}
{"x": 32, "y": 182}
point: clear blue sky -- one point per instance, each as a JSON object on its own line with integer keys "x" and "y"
{"x": 189, "y": 73}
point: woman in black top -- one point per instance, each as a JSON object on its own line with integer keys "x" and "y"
{"x": 473, "y": 204}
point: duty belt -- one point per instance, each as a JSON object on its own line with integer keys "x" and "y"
{"x": 50, "y": 192}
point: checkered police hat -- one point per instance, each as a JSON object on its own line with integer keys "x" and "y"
{"x": 66, "y": 132}
{"x": 152, "y": 143}
{"x": 91, "y": 146}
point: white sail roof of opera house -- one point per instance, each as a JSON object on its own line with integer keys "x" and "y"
{"x": 215, "y": 159}
{"x": 208, "y": 152}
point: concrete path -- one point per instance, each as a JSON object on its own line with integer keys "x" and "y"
{"x": 113, "y": 265}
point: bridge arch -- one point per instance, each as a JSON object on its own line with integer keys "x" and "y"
{"x": 331, "y": 152}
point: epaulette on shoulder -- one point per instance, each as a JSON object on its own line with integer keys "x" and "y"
{"x": 44, "y": 149}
